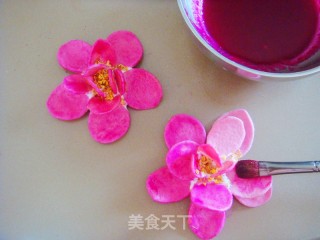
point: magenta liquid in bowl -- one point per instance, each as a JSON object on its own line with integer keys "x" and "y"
{"x": 258, "y": 39}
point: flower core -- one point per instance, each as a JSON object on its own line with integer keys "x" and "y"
{"x": 206, "y": 165}
{"x": 107, "y": 80}
{"x": 104, "y": 82}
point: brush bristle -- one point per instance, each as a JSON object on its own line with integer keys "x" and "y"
{"x": 247, "y": 169}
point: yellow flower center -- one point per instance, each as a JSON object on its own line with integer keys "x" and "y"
{"x": 102, "y": 81}
{"x": 206, "y": 165}
{"x": 206, "y": 169}
{"x": 106, "y": 83}
{"x": 218, "y": 179}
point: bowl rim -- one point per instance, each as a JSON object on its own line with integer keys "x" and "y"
{"x": 235, "y": 64}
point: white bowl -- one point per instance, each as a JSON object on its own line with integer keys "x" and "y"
{"x": 190, "y": 11}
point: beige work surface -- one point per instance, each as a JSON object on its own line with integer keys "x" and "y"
{"x": 56, "y": 183}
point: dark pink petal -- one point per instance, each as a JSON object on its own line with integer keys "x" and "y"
{"x": 207, "y": 150}
{"x": 110, "y": 126}
{"x": 226, "y": 135}
{"x": 102, "y": 52}
{"x": 93, "y": 69}
{"x": 77, "y": 84}
{"x": 249, "y": 188}
{"x": 205, "y": 223}
{"x": 212, "y": 196}
{"x": 127, "y": 46}
{"x": 163, "y": 187}
{"x": 256, "y": 201}
{"x": 183, "y": 127}
{"x": 74, "y": 55}
{"x": 180, "y": 159}
{"x": 112, "y": 81}
{"x": 144, "y": 90}
{"x": 101, "y": 105}
{"x": 66, "y": 105}
{"x": 119, "y": 78}
{"x": 248, "y": 126}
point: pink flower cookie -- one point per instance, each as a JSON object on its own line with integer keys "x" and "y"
{"x": 203, "y": 167}
{"x": 104, "y": 82}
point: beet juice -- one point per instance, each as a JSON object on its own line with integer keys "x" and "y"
{"x": 261, "y": 31}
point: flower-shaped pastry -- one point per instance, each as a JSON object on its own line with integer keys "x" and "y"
{"x": 203, "y": 167}
{"x": 104, "y": 82}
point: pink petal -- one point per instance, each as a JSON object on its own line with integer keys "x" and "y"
{"x": 207, "y": 150}
{"x": 183, "y": 127}
{"x": 110, "y": 126}
{"x": 74, "y": 55}
{"x": 226, "y": 135}
{"x": 119, "y": 78}
{"x": 248, "y": 125}
{"x": 163, "y": 187}
{"x": 66, "y": 105}
{"x": 256, "y": 201}
{"x": 101, "y": 105}
{"x": 76, "y": 84}
{"x": 144, "y": 91}
{"x": 112, "y": 81}
{"x": 226, "y": 167}
{"x": 102, "y": 52}
{"x": 212, "y": 196}
{"x": 93, "y": 69}
{"x": 127, "y": 46}
{"x": 205, "y": 223}
{"x": 249, "y": 188}
{"x": 179, "y": 159}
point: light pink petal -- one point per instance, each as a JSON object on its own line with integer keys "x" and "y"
{"x": 226, "y": 167}
{"x": 248, "y": 125}
{"x": 110, "y": 126}
{"x": 66, "y": 105}
{"x": 127, "y": 46}
{"x": 144, "y": 90}
{"x": 102, "y": 52}
{"x": 256, "y": 201}
{"x": 205, "y": 223}
{"x": 77, "y": 84}
{"x": 249, "y": 188}
{"x": 101, "y": 105}
{"x": 207, "y": 150}
{"x": 163, "y": 187}
{"x": 183, "y": 127}
{"x": 212, "y": 196}
{"x": 74, "y": 55}
{"x": 226, "y": 135}
{"x": 180, "y": 159}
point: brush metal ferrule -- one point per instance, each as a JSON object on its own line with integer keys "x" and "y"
{"x": 274, "y": 168}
